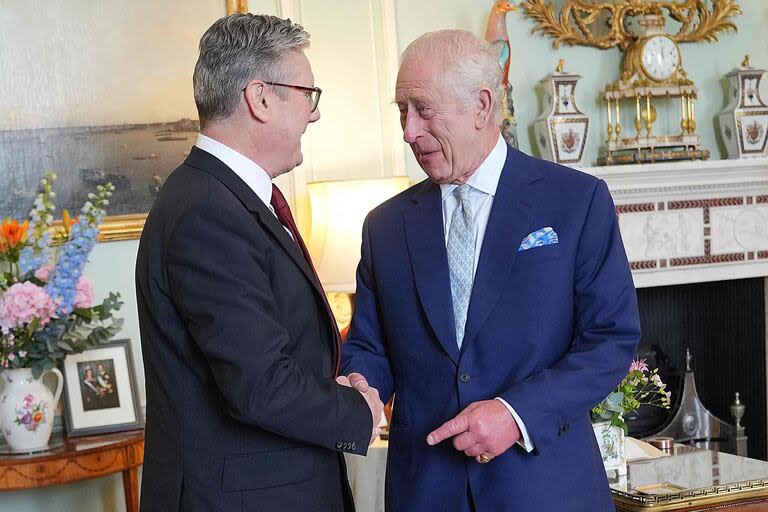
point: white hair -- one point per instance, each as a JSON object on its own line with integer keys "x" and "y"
{"x": 471, "y": 64}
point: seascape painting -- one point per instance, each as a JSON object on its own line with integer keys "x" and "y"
{"x": 89, "y": 95}
{"x": 135, "y": 158}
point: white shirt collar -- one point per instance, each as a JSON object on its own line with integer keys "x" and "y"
{"x": 246, "y": 169}
{"x": 486, "y": 177}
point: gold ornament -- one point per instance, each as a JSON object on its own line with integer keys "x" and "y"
{"x": 652, "y": 67}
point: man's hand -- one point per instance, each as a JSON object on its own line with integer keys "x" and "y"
{"x": 483, "y": 428}
{"x": 371, "y": 395}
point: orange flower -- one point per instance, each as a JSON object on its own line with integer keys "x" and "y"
{"x": 37, "y": 417}
{"x": 12, "y": 233}
{"x": 68, "y": 221}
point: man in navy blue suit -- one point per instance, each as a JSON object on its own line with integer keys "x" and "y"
{"x": 494, "y": 300}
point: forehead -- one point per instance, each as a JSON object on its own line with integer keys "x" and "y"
{"x": 418, "y": 80}
{"x": 298, "y": 65}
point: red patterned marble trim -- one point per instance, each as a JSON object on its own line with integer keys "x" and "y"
{"x": 761, "y": 199}
{"x": 762, "y": 255}
{"x": 643, "y": 265}
{"x": 705, "y": 203}
{"x": 704, "y": 260}
{"x": 635, "y": 208}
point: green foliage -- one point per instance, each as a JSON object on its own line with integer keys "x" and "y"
{"x": 640, "y": 386}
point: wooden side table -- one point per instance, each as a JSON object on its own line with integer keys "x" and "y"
{"x": 81, "y": 458}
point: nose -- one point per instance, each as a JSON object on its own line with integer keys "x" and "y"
{"x": 412, "y": 126}
{"x": 314, "y": 116}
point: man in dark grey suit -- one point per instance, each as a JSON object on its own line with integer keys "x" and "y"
{"x": 240, "y": 349}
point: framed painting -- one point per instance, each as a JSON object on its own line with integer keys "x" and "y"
{"x": 100, "y": 390}
{"x": 98, "y": 93}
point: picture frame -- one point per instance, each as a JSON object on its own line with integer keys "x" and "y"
{"x": 100, "y": 392}
{"x": 96, "y": 124}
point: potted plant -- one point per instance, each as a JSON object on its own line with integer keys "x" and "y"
{"x": 640, "y": 386}
{"x": 46, "y": 309}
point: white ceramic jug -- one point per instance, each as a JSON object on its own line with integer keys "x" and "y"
{"x": 27, "y": 409}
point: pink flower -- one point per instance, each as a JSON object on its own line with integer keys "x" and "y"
{"x": 23, "y": 302}
{"x": 83, "y": 294}
{"x": 638, "y": 365}
{"x": 44, "y": 272}
{"x": 656, "y": 380}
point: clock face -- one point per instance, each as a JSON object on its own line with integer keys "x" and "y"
{"x": 660, "y": 57}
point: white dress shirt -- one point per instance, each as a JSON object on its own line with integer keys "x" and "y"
{"x": 483, "y": 184}
{"x": 246, "y": 169}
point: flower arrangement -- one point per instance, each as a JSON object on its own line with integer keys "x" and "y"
{"x": 46, "y": 304}
{"x": 640, "y": 386}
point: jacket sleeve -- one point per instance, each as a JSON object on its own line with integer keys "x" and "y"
{"x": 218, "y": 283}
{"x": 605, "y": 336}
{"x": 365, "y": 350}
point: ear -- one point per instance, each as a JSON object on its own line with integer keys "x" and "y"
{"x": 485, "y": 108}
{"x": 258, "y": 101}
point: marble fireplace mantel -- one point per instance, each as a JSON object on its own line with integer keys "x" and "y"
{"x": 691, "y": 222}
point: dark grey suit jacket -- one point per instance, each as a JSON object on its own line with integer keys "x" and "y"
{"x": 242, "y": 409}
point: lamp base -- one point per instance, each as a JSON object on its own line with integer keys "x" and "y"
{"x": 341, "y": 306}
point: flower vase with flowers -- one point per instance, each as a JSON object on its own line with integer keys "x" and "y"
{"x": 46, "y": 309}
{"x": 641, "y": 386}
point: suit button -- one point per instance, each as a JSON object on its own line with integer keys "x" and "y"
{"x": 464, "y": 377}
{"x": 339, "y": 445}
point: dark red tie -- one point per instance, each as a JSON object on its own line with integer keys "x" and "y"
{"x": 283, "y": 212}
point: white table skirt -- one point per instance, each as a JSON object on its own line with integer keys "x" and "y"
{"x": 366, "y": 476}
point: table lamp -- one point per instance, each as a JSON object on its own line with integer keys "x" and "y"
{"x": 338, "y": 209}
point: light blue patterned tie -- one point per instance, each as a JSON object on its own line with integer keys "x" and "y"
{"x": 461, "y": 256}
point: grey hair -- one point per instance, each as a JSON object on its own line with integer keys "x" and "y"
{"x": 235, "y": 50}
{"x": 471, "y": 64}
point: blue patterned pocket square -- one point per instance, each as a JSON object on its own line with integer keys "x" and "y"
{"x": 540, "y": 237}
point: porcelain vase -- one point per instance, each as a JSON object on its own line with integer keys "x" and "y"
{"x": 744, "y": 122}
{"x": 27, "y": 408}
{"x": 610, "y": 439}
{"x": 561, "y": 131}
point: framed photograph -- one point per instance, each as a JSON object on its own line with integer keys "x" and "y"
{"x": 100, "y": 390}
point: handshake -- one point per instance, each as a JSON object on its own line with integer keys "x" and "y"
{"x": 371, "y": 395}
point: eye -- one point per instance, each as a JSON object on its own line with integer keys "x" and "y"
{"x": 424, "y": 110}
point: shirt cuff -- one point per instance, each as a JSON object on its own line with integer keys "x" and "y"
{"x": 525, "y": 442}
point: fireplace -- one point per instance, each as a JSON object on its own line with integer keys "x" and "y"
{"x": 723, "y": 325}
{"x": 696, "y": 236}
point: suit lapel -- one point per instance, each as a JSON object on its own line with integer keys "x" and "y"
{"x": 508, "y": 224}
{"x": 206, "y": 162}
{"x": 425, "y": 237}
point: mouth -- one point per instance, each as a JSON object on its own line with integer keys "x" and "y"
{"x": 422, "y": 153}
{"x": 427, "y": 155}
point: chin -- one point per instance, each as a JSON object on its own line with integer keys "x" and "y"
{"x": 437, "y": 175}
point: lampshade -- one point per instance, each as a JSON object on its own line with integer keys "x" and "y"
{"x": 338, "y": 209}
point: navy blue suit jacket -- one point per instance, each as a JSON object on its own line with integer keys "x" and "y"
{"x": 551, "y": 330}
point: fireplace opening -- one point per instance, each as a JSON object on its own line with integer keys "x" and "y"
{"x": 723, "y": 324}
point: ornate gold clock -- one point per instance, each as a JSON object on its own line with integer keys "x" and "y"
{"x": 652, "y": 73}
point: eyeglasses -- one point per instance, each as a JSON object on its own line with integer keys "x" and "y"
{"x": 313, "y": 93}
